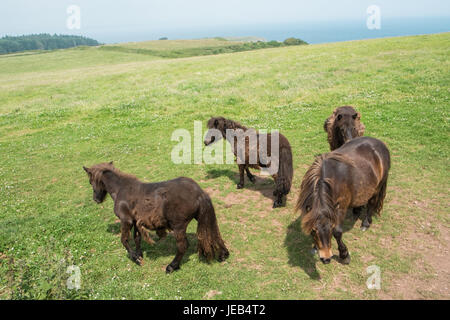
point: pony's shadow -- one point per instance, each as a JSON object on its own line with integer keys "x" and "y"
{"x": 163, "y": 247}
{"x": 299, "y": 248}
{"x": 263, "y": 185}
{"x": 299, "y": 245}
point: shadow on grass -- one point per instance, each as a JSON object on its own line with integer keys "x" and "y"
{"x": 162, "y": 247}
{"x": 299, "y": 245}
{"x": 263, "y": 185}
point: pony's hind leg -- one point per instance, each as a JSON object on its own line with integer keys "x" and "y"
{"x": 250, "y": 176}
{"x": 182, "y": 245}
{"x": 137, "y": 240}
{"x": 278, "y": 201}
{"x": 369, "y": 212}
{"x": 161, "y": 232}
{"x": 357, "y": 212}
{"x": 240, "y": 185}
{"x": 344, "y": 256}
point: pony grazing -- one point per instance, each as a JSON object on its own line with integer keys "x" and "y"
{"x": 256, "y": 150}
{"x": 352, "y": 176}
{"x": 343, "y": 125}
{"x": 161, "y": 206}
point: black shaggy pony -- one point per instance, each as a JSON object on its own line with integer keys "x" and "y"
{"x": 283, "y": 174}
{"x": 160, "y": 206}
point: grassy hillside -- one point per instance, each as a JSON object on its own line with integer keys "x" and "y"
{"x": 164, "y": 45}
{"x": 65, "y": 109}
{"x": 192, "y": 48}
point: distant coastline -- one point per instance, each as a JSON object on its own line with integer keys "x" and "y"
{"x": 311, "y": 31}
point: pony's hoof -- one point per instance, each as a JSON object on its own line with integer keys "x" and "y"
{"x": 171, "y": 269}
{"x": 313, "y": 251}
{"x": 363, "y": 228}
{"x": 277, "y": 204}
{"x": 239, "y": 186}
{"x": 137, "y": 259}
{"x": 345, "y": 260}
{"x": 223, "y": 256}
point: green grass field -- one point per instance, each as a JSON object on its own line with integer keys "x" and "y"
{"x": 68, "y": 108}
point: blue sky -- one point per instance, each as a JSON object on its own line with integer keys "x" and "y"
{"x": 34, "y": 16}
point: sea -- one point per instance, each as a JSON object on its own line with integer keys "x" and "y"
{"x": 310, "y": 31}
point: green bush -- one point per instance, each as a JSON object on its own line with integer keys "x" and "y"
{"x": 293, "y": 42}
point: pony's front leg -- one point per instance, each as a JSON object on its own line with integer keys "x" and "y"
{"x": 125, "y": 227}
{"x": 240, "y": 185}
{"x": 182, "y": 245}
{"x": 344, "y": 256}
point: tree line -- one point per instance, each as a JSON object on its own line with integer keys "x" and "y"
{"x": 43, "y": 41}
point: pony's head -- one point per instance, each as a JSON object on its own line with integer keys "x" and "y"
{"x": 95, "y": 174}
{"x": 318, "y": 224}
{"x": 318, "y": 211}
{"x": 343, "y": 125}
{"x": 216, "y": 130}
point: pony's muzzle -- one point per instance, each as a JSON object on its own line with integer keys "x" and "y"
{"x": 325, "y": 255}
{"x": 209, "y": 141}
{"x": 325, "y": 260}
{"x": 348, "y": 135}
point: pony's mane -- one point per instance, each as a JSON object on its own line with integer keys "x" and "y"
{"x": 231, "y": 124}
{"x": 316, "y": 191}
{"x": 98, "y": 170}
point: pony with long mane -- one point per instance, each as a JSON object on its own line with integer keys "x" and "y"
{"x": 160, "y": 206}
{"x": 343, "y": 125}
{"x": 244, "y": 147}
{"x": 351, "y": 176}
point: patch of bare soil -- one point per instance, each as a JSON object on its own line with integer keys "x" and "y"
{"x": 430, "y": 276}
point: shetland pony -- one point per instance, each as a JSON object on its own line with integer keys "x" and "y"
{"x": 351, "y": 176}
{"x": 160, "y": 206}
{"x": 343, "y": 125}
{"x": 282, "y": 175}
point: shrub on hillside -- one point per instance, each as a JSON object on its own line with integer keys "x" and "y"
{"x": 293, "y": 42}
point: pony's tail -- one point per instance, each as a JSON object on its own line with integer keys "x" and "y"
{"x": 210, "y": 241}
{"x": 379, "y": 198}
{"x": 285, "y": 172}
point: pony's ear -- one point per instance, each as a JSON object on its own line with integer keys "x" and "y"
{"x": 86, "y": 169}
{"x": 216, "y": 123}
{"x": 111, "y": 163}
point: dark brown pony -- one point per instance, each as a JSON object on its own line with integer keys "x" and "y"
{"x": 352, "y": 176}
{"x": 343, "y": 125}
{"x": 282, "y": 175}
{"x": 161, "y": 206}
